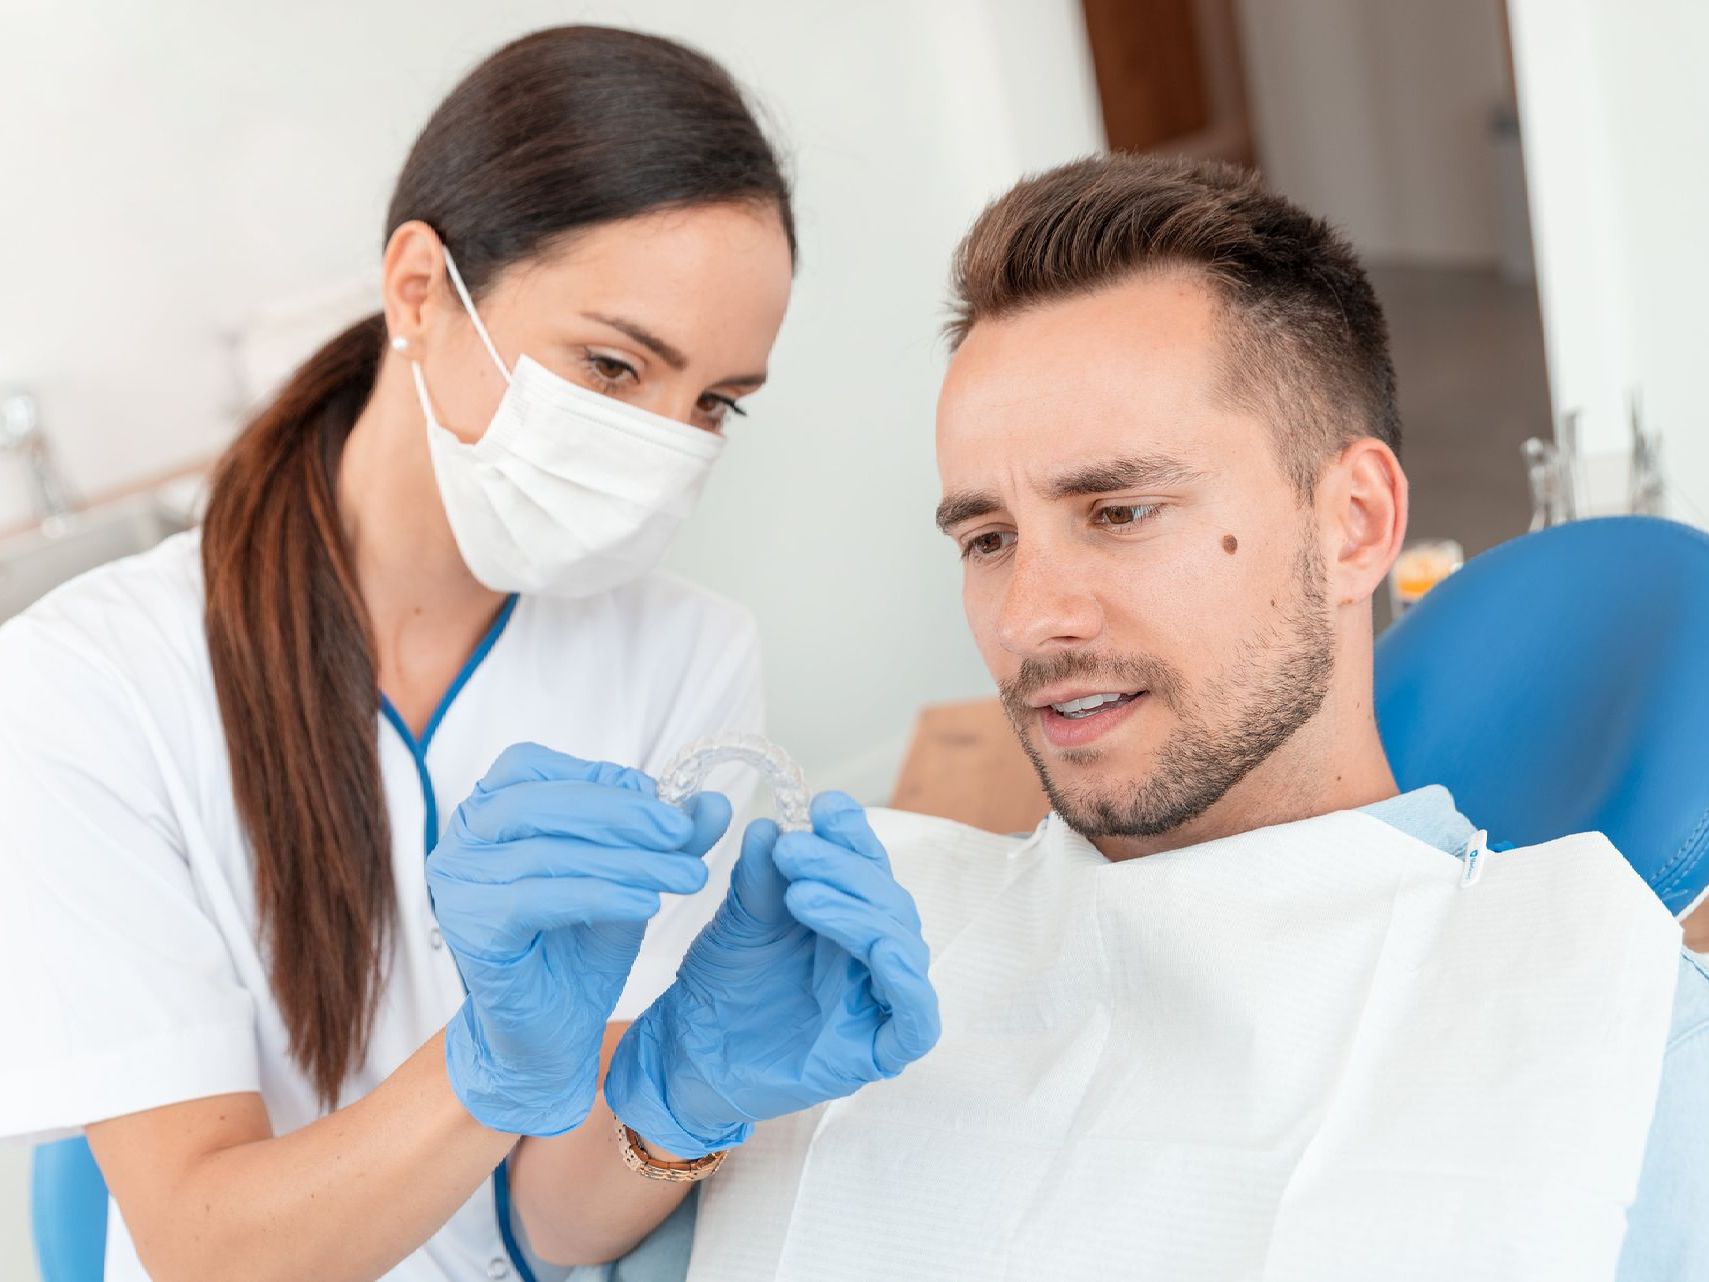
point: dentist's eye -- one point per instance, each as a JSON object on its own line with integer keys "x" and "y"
{"x": 609, "y": 373}
{"x": 987, "y": 546}
{"x": 715, "y": 409}
{"x": 1124, "y": 514}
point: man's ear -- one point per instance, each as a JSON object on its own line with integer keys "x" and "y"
{"x": 1362, "y": 502}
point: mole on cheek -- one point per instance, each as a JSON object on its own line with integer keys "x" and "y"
{"x": 1230, "y": 544}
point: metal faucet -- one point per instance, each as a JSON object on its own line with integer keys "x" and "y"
{"x": 21, "y": 434}
{"x": 1646, "y": 480}
{"x": 1553, "y": 470}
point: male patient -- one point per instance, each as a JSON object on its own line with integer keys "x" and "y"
{"x": 1236, "y": 1010}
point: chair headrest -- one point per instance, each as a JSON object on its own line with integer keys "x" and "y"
{"x": 1559, "y": 683}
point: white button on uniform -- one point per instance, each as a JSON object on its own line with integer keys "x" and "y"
{"x": 498, "y": 1269}
{"x": 436, "y": 939}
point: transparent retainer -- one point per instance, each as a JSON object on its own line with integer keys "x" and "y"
{"x": 687, "y": 771}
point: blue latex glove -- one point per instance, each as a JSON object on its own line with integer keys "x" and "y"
{"x": 542, "y": 887}
{"x": 809, "y": 983}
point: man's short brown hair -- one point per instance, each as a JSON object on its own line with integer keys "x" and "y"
{"x": 1305, "y": 344}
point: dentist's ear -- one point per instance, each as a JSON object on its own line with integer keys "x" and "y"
{"x": 412, "y": 283}
{"x": 1362, "y": 507}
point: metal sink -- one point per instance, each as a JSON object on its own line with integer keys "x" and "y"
{"x": 36, "y": 561}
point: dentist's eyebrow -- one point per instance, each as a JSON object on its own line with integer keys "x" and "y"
{"x": 652, "y": 342}
{"x": 965, "y": 505}
{"x": 665, "y": 352}
{"x": 1150, "y": 472}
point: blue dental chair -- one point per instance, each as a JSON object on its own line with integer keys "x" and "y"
{"x": 68, "y": 1203}
{"x": 1559, "y": 683}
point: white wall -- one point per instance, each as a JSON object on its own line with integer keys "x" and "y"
{"x": 1614, "y": 111}
{"x": 821, "y": 519}
{"x": 1375, "y": 114}
{"x": 16, "y": 1264}
{"x": 168, "y": 169}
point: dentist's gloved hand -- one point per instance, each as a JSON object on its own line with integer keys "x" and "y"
{"x": 542, "y": 887}
{"x": 809, "y": 983}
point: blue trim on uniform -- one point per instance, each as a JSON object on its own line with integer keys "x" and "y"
{"x": 474, "y": 661}
{"x": 430, "y": 805}
{"x": 501, "y": 1204}
{"x": 430, "y": 839}
{"x": 418, "y": 749}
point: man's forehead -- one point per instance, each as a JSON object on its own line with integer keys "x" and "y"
{"x": 1122, "y": 371}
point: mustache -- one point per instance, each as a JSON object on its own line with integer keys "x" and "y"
{"x": 1113, "y": 672}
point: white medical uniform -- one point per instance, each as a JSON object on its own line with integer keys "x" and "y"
{"x": 128, "y": 924}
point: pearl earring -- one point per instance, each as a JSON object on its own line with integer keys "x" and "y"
{"x": 399, "y": 343}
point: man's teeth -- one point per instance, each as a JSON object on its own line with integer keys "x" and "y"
{"x": 1086, "y": 706}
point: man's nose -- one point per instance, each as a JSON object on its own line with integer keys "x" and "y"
{"x": 1048, "y": 604}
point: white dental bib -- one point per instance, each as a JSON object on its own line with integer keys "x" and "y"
{"x": 1302, "y": 1054}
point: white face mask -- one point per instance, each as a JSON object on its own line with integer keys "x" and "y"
{"x": 568, "y": 493}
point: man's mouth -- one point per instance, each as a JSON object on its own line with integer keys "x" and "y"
{"x": 1092, "y": 704}
{"x": 1077, "y": 719}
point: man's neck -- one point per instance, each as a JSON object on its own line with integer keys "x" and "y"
{"x": 1333, "y": 762}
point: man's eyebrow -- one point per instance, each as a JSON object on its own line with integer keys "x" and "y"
{"x": 1153, "y": 471}
{"x": 965, "y": 505}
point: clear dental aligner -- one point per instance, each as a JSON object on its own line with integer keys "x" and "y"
{"x": 687, "y": 771}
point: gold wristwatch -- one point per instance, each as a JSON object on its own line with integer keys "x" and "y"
{"x": 644, "y": 1164}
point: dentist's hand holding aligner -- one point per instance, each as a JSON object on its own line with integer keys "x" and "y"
{"x": 809, "y": 983}
{"x": 542, "y": 887}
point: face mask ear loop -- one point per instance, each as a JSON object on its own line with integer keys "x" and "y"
{"x": 469, "y": 306}
{"x": 422, "y": 396}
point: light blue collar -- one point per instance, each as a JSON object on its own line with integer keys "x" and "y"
{"x": 1429, "y": 814}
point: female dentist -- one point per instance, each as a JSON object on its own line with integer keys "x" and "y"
{"x": 302, "y": 1006}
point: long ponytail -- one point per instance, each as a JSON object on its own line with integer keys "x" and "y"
{"x": 522, "y": 153}
{"x": 294, "y": 669}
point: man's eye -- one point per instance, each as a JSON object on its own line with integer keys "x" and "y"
{"x": 1124, "y": 513}
{"x": 982, "y": 547}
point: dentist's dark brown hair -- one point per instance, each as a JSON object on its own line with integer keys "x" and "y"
{"x": 560, "y": 131}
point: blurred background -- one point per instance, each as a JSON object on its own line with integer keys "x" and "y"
{"x": 191, "y": 196}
